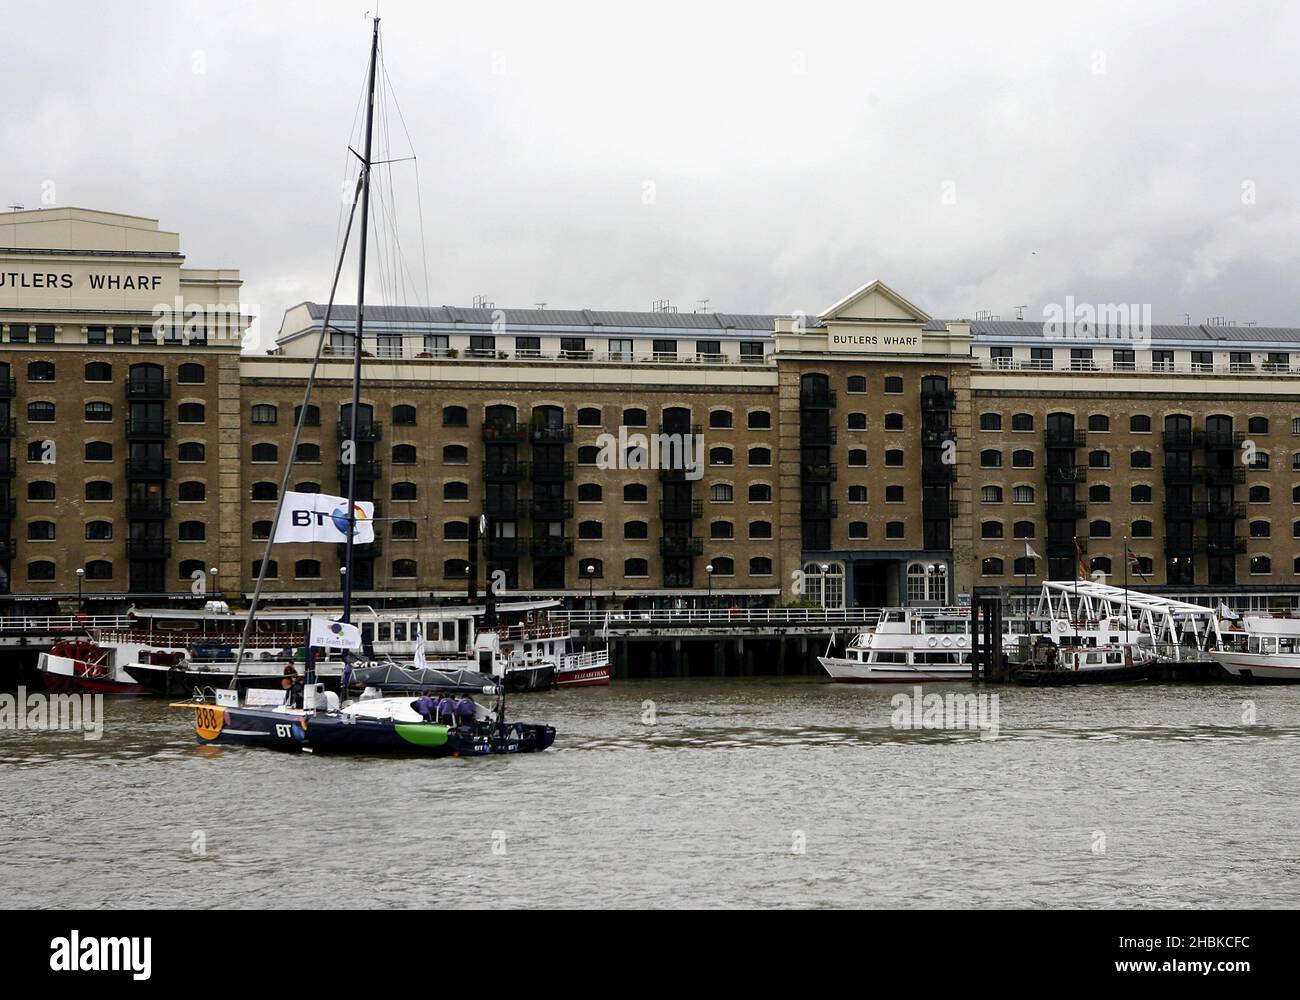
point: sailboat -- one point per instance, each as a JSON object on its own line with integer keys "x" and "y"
{"x": 445, "y": 719}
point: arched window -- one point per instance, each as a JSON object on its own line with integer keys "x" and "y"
{"x": 1260, "y": 565}
{"x": 634, "y": 493}
{"x": 759, "y": 420}
{"x": 723, "y": 566}
{"x": 893, "y": 385}
{"x": 193, "y": 531}
{"x": 990, "y": 421}
{"x": 990, "y": 494}
{"x": 760, "y": 529}
{"x": 403, "y": 415}
{"x": 405, "y": 454}
{"x": 40, "y": 490}
{"x": 1099, "y": 493}
{"x": 857, "y": 421}
{"x": 588, "y": 454}
{"x": 190, "y": 413}
{"x": 1259, "y": 494}
{"x": 40, "y": 570}
{"x": 760, "y": 566}
{"x": 991, "y": 529}
{"x": 1260, "y": 529}
{"x": 635, "y": 530}
{"x": 405, "y": 531}
{"x": 1023, "y": 529}
{"x": 99, "y": 489}
{"x": 306, "y": 487}
{"x": 1025, "y": 566}
{"x": 99, "y": 371}
{"x": 307, "y": 452}
{"x": 990, "y": 458}
{"x": 454, "y": 531}
{"x": 823, "y": 584}
{"x": 265, "y": 452}
{"x": 1140, "y": 494}
{"x": 893, "y": 421}
{"x": 760, "y": 493}
{"x": 261, "y": 531}
{"x": 857, "y": 383}
{"x": 40, "y": 411}
{"x": 189, "y": 567}
{"x": 720, "y": 419}
{"x": 1257, "y": 425}
{"x": 40, "y": 371}
{"x": 102, "y": 531}
{"x": 991, "y": 566}
{"x": 1022, "y": 494}
{"x": 306, "y": 569}
{"x": 455, "y": 491}
{"x": 1140, "y": 529}
{"x": 40, "y": 531}
{"x": 1099, "y": 459}
{"x": 99, "y": 451}
{"x": 265, "y": 491}
{"x": 405, "y": 569}
{"x": 452, "y": 454}
{"x": 404, "y": 491}
{"x": 894, "y": 494}
{"x": 313, "y": 415}
{"x": 99, "y": 569}
{"x": 858, "y": 457}
{"x": 760, "y": 456}
{"x": 272, "y": 569}
{"x": 1261, "y": 460}
{"x": 1140, "y": 460}
{"x": 634, "y": 417}
{"x": 636, "y": 567}
{"x": 591, "y": 529}
{"x": 857, "y": 494}
{"x": 720, "y": 456}
{"x": 191, "y": 374}
{"x": 893, "y": 458}
{"x": 455, "y": 569}
{"x": 1098, "y": 422}
{"x": 589, "y": 416}
{"x": 722, "y": 530}
{"x": 1139, "y": 423}
{"x": 1098, "y": 529}
{"x": 266, "y": 413}
{"x": 1022, "y": 422}
{"x": 1022, "y": 458}
{"x": 721, "y": 493}
{"x": 98, "y": 411}
{"x": 590, "y": 493}
{"x": 195, "y": 491}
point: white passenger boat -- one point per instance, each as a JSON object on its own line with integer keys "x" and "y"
{"x": 1263, "y": 648}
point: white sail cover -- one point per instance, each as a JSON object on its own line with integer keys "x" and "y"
{"x": 319, "y": 517}
{"x": 334, "y": 635}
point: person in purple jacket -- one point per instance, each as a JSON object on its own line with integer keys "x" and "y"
{"x": 425, "y": 706}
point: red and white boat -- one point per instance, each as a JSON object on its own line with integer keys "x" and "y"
{"x": 543, "y": 649}
{"x": 82, "y": 666}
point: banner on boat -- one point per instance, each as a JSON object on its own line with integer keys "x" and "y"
{"x": 319, "y": 517}
{"x": 334, "y": 635}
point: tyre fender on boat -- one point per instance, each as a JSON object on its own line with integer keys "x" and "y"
{"x": 947, "y": 641}
{"x": 933, "y": 640}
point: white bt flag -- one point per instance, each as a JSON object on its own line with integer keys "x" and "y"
{"x": 319, "y": 517}
{"x": 334, "y": 635}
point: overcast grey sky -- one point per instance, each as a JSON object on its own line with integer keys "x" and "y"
{"x": 768, "y": 157}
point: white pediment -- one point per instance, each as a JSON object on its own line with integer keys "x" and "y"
{"x": 875, "y": 301}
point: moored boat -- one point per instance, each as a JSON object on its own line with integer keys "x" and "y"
{"x": 1261, "y": 649}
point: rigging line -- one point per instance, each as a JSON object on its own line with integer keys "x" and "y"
{"x": 347, "y": 163}
{"x": 293, "y": 445}
{"x": 400, "y": 270}
{"x": 419, "y": 204}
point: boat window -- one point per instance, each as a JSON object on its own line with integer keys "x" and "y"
{"x": 449, "y": 631}
{"x": 367, "y": 632}
{"x": 890, "y": 657}
{"x": 385, "y": 632}
{"x": 399, "y": 631}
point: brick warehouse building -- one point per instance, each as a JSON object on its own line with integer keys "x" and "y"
{"x": 868, "y": 454}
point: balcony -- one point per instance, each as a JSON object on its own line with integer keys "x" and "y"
{"x": 1065, "y": 510}
{"x": 1180, "y": 440}
{"x": 552, "y": 472}
{"x": 148, "y": 508}
{"x": 1225, "y": 475}
{"x": 681, "y": 546}
{"x": 548, "y": 434}
{"x": 820, "y": 472}
{"x": 148, "y": 548}
{"x": 817, "y": 399}
{"x": 819, "y": 510}
{"x": 542, "y": 548}
{"x": 503, "y": 432}
{"x": 8, "y": 428}
{"x": 1060, "y": 437}
{"x": 8, "y": 548}
{"x": 373, "y": 469}
{"x": 680, "y": 510}
{"x": 1183, "y": 546}
{"x": 140, "y": 428}
{"x": 1217, "y": 440}
{"x": 938, "y": 472}
{"x": 550, "y": 509}
{"x": 1184, "y": 475}
{"x": 1058, "y": 548}
{"x": 817, "y": 435}
{"x": 148, "y": 388}
{"x": 694, "y": 430}
{"x": 1175, "y": 511}
{"x": 939, "y": 510}
{"x": 669, "y": 475}
{"x": 8, "y": 508}
{"x": 148, "y": 468}
{"x": 1225, "y": 546}
{"x": 1066, "y": 475}
{"x": 367, "y": 430}
{"x": 503, "y": 548}
{"x": 937, "y": 438}
{"x": 1224, "y": 511}
{"x": 8, "y": 388}
{"x": 938, "y": 399}
{"x": 506, "y": 510}
{"x": 508, "y": 471}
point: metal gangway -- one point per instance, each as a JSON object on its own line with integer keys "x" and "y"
{"x": 1166, "y": 620}
{"x": 717, "y": 622}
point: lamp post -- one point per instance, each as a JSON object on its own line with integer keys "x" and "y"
{"x": 81, "y": 575}
{"x": 216, "y": 592}
{"x": 591, "y": 584}
{"x": 709, "y": 572}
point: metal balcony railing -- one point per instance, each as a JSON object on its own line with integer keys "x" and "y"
{"x": 151, "y": 388}
{"x": 678, "y": 546}
{"x": 680, "y": 510}
{"x": 148, "y": 468}
{"x": 367, "y": 430}
{"x": 147, "y": 427}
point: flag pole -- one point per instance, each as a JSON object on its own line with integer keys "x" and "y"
{"x": 1126, "y": 619}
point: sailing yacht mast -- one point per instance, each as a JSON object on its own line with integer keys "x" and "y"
{"x": 356, "y": 340}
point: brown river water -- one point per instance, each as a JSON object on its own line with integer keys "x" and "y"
{"x": 767, "y": 792}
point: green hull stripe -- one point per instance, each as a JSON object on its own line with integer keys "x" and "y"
{"x": 422, "y": 734}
